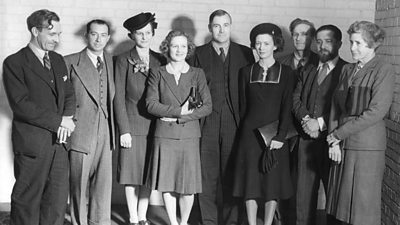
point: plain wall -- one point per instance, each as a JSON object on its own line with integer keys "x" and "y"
{"x": 188, "y": 15}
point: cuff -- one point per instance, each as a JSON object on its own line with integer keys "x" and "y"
{"x": 321, "y": 123}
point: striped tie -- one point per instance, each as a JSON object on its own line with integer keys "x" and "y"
{"x": 99, "y": 65}
{"x": 46, "y": 61}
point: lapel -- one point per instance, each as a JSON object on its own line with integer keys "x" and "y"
{"x": 59, "y": 74}
{"x": 180, "y": 91}
{"x": 367, "y": 68}
{"x": 34, "y": 64}
{"x": 84, "y": 71}
{"x": 135, "y": 55}
{"x": 110, "y": 78}
{"x": 312, "y": 72}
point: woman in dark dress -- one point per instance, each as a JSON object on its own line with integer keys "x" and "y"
{"x": 265, "y": 97}
{"x": 134, "y": 123}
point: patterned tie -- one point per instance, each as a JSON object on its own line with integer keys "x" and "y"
{"x": 99, "y": 65}
{"x": 46, "y": 61}
{"x": 323, "y": 72}
{"x": 222, "y": 54}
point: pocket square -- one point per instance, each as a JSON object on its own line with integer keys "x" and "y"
{"x": 65, "y": 78}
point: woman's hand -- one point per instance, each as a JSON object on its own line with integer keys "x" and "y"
{"x": 185, "y": 109}
{"x": 275, "y": 145}
{"x": 168, "y": 119}
{"x": 126, "y": 140}
{"x": 332, "y": 140}
{"x": 335, "y": 154}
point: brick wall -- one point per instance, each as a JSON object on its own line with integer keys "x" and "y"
{"x": 387, "y": 15}
{"x": 189, "y": 15}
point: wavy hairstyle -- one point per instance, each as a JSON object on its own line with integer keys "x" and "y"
{"x": 164, "y": 47}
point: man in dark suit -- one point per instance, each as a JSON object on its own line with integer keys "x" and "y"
{"x": 303, "y": 32}
{"x": 91, "y": 72}
{"x": 221, "y": 60}
{"x": 43, "y": 103}
{"x": 311, "y": 107}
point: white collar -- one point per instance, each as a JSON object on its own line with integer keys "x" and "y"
{"x": 37, "y": 51}
{"x": 172, "y": 70}
{"x": 331, "y": 63}
{"x": 93, "y": 57}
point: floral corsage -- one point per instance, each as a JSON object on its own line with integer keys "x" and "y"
{"x": 138, "y": 65}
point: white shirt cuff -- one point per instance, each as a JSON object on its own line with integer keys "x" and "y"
{"x": 321, "y": 122}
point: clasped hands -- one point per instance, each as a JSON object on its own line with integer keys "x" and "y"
{"x": 184, "y": 111}
{"x": 65, "y": 129}
{"x": 310, "y": 126}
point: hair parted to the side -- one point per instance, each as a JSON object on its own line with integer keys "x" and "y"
{"x": 218, "y": 12}
{"x": 41, "y": 19}
{"x": 97, "y": 21}
{"x": 299, "y": 21}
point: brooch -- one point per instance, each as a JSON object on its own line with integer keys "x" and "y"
{"x": 138, "y": 65}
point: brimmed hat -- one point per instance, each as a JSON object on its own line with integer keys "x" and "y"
{"x": 139, "y": 21}
{"x": 264, "y": 28}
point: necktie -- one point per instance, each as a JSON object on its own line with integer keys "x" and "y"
{"x": 300, "y": 64}
{"x": 99, "y": 65}
{"x": 46, "y": 61}
{"x": 222, "y": 54}
{"x": 323, "y": 72}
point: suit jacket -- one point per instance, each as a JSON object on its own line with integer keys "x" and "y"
{"x": 360, "y": 104}
{"x": 130, "y": 106}
{"x": 289, "y": 60}
{"x": 37, "y": 103}
{"x": 87, "y": 105}
{"x": 239, "y": 56}
{"x": 302, "y": 99}
{"x": 164, "y": 98}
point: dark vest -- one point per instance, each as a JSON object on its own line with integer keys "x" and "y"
{"x": 321, "y": 96}
{"x": 220, "y": 81}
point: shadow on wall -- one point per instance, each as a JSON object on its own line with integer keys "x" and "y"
{"x": 184, "y": 24}
{"x": 81, "y": 32}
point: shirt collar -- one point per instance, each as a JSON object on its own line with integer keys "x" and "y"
{"x": 37, "y": 51}
{"x": 331, "y": 63}
{"x": 217, "y": 47}
{"x": 93, "y": 57}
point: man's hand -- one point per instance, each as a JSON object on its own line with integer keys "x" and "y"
{"x": 311, "y": 127}
{"x": 62, "y": 134}
{"x": 126, "y": 140}
{"x": 68, "y": 122}
{"x": 185, "y": 109}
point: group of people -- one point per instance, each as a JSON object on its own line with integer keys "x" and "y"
{"x": 187, "y": 124}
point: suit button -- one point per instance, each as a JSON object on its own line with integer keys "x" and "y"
{"x": 52, "y": 81}
{"x": 170, "y": 124}
{"x": 77, "y": 106}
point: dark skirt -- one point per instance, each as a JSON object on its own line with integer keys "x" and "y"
{"x": 250, "y": 182}
{"x": 354, "y": 190}
{"x": 132, "y": 163}
{"x": 175, "y": 166}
